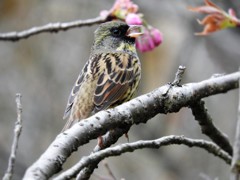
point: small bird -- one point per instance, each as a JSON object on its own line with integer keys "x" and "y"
{"x": 110, "y": 76}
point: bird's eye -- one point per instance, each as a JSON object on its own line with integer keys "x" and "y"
{"x": 116, "y": 32}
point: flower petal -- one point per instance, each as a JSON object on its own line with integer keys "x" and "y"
{"x": 209, "y": 3}
{"x": 156, "y": 36}
{"x": 205, "y": 9}
{"x": 133, "y": 19}
{"x": 216, "y": 18}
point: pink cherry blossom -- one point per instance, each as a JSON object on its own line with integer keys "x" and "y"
{"x": 156, "y": 36}
{"x": 126, "y": 10}
{"x": 133, "y": 19}
{"x": 151, "y": 38}
{"x": 122, "y": 8}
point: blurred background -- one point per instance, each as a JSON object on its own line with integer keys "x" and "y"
{"x": 44, "y": 68}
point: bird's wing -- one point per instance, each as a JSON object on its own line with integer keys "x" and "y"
{"x": 113, "y": 83}
{"x": 74, "y": 91}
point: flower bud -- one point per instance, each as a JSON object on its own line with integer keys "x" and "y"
{"x": 133, "y": 19}
{"x": 156, "y": 36}
{"x": 149, "y": 40}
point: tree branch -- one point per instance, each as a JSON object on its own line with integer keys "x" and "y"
{"x": 112, "y": 136}
{"x": 109, "y": 171}
{"x": 107, "y": 140}
{"x": 17, "y": 132}
{"x": 178, "y": 76}
{"x": 206, "y": 123}
{"x": 96, "y": 157}
{"x": 138, "y": 110}
{"x": 235, "y": 167}
{"x": 51, "y": 27}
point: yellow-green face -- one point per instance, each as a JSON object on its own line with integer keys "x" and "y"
{"x": 113, "y": 36}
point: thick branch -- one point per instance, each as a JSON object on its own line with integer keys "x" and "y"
{"x": 138, "y": 110}
{"x": 96, "y": 157}
{"x": 17, "y": 131}
{"x": 236, "y": 155}
{"x": 107, "y": 140}
{"x": 51, "y": 27}
{"x": 112, "y": 136}
{"x": 206, "y": 123}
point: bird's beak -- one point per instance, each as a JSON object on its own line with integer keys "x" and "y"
{"x": 134, "y": 31}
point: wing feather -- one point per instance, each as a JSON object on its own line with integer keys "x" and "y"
{"x": 74, "y": 91}
{"x": 113, "y": 85}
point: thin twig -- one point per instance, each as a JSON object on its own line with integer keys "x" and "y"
{"x": 178, "y": 76}
{"x": 177, "y": 80}
{"x": 208, "y": 128}
{"x": 96, "y": 157}
{"x": 51, "y": 27}
{"x": 138, "y": 110}
{"x": 17, "y": 131}
{"x": 85, "y": 173}
{"x": 235, "y": 167}
{"x": 109, "y": 170}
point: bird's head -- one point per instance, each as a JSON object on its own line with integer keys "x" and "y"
{"x": 116, "y": 36}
